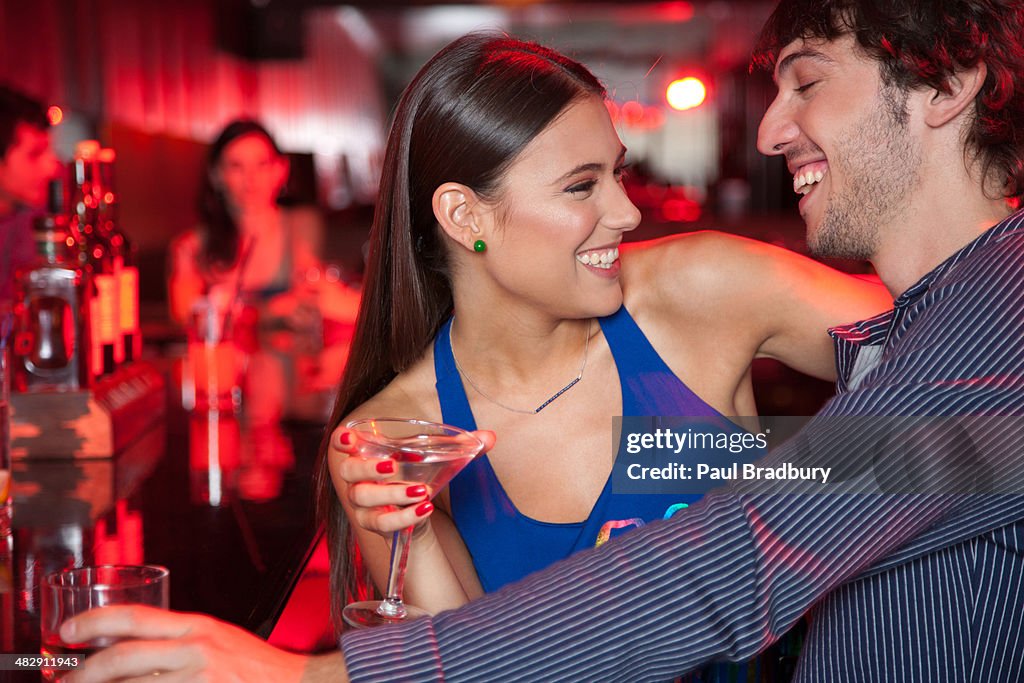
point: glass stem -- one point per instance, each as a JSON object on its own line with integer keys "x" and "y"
{"x": 391, "y": 606}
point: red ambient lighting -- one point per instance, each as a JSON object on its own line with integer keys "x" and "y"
{"x": 674, "y": 12}
{"x": 686, "y": 93}
{"x": 635, "y": 115}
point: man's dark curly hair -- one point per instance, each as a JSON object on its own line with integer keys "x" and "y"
{"x": 15, "y": 108}
{"x": 921, "y": 43}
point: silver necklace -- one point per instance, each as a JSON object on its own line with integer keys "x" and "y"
{"x": 542, "y": 406}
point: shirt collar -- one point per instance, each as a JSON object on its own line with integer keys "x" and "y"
{"x": 873, "y": 330}
{"x": 864, "y": 332}
{"x": 1011, "y": 223}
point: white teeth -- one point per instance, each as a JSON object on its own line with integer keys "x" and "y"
{"x": 603, "y": 259}
{"x": 802, "y": 181}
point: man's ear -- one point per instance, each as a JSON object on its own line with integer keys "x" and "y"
{"x": 964, "y": 85}
{"x": 453, "y": 205}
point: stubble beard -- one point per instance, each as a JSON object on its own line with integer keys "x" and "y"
{"x": 880, "y": 164}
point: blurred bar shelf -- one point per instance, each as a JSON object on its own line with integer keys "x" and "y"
{"x": 94, "y": 423}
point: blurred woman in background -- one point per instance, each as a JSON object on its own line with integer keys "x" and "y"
{"x": 251, "y": 247}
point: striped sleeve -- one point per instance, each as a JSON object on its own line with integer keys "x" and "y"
{"x": 671, "y": 596}
{"x": 657, "y": 604}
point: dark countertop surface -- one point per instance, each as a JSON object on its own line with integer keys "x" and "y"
{"x": 225, "y": 502}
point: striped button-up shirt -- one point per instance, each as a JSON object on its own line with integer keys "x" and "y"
{"x": 897, "y": 587}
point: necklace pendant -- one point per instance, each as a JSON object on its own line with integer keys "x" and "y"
{"x": 561, "y": 391}
{"x": 542, "y": 406}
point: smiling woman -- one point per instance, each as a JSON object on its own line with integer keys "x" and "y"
{"x": 547, "y": 333}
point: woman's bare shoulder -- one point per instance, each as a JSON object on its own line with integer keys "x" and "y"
{"x": 184, "y": 249}
{"x": 691, "y": 271}
{"x": 411, "y": 394}
{"x": 703, "y": 252}
{"x": 192, "y": 237}
{"x": 306, "y": 227}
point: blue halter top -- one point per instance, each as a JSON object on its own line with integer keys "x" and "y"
{"x": 505, "y": 544}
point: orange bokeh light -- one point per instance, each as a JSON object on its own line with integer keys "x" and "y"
{"x": 686, "y": 93}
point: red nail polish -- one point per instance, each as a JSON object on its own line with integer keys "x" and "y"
{"x": 424, "y": 508}
{"x": 416, "y": 491}
{"x": 386, "y": 466}
{"x": 346, "y": 438}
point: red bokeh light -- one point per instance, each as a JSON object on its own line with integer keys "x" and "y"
{"x": 680, "y": 210}
{"x": 674, "y": 12}
{"x": 632, "y": 113}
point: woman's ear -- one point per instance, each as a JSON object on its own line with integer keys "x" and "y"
{"x": 453, "y": 205}
{"x": 964, "y": 85}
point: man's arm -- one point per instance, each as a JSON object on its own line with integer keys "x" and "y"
{"x": 720, "y": 581}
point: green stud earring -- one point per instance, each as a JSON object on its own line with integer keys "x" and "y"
{"x": 479, "y": 246}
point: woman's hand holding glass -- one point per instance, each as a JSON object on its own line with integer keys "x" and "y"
{"x": 372, "y": 499}
{"x": 386, "y": 471}
{"x": 375, "y": 503}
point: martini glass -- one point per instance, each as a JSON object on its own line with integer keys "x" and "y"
{"x": 425, "y": 453}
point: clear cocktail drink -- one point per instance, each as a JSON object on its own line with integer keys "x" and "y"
{"x": 424, "y": 453}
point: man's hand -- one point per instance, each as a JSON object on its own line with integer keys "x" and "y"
{"x": 186, "y": 647}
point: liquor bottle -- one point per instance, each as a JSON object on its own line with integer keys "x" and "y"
{"x": 83, "y": 201}
{"x": 97, "y": 258}
{"x": 124, "y": 260}
{"x": 51, "y": 341}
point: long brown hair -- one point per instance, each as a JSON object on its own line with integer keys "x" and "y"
{"x": 464, "y": 118}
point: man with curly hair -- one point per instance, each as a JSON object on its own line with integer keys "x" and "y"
{"x": 27, "y": 162}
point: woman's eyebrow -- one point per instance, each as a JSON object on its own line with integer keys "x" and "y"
{"x": 591, "y": 166}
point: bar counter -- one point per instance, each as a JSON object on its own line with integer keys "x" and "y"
{"x": 225, "y": 502}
